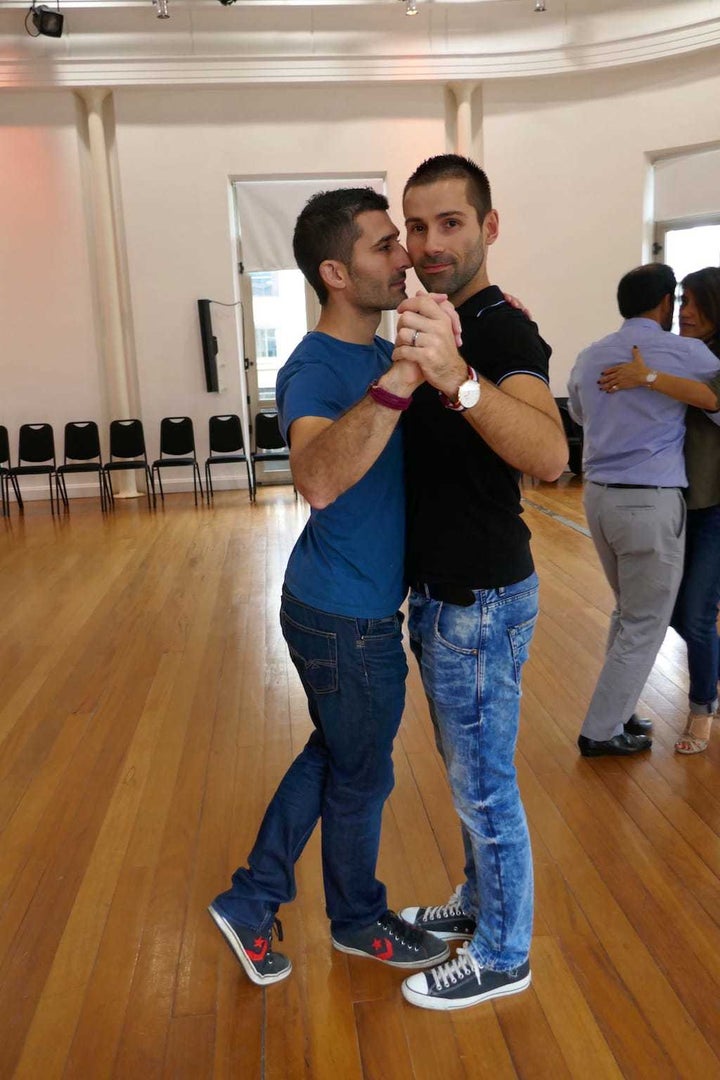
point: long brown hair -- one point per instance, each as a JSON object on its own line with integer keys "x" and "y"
{"x": 705, "y": 287}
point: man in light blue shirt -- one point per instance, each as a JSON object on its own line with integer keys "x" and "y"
{"x": 635, "y": 472}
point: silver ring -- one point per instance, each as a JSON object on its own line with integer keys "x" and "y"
{"x": 414, "y": 337}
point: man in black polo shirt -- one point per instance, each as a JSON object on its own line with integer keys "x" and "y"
{"x": 483, "y": 416}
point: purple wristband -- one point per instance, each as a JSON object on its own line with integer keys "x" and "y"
{"x": 384, "y": 397}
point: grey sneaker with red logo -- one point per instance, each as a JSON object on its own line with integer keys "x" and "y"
{"x": 254, "y": 950}
{"x": 393, "y": 941}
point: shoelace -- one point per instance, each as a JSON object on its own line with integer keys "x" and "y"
{"x": 451, "y": 910}
{"x": 400, "y": 930}
{"x": 462, "y": 964}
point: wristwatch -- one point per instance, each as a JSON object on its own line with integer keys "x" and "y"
{"x": 468, "y": 393}
{"x": 651, "y": 377}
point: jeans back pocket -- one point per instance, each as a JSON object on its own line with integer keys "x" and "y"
{"x": 314, "y": 654}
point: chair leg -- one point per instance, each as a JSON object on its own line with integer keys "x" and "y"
{"x": 197, "y": 470}
{"x": 101, "y": 487}
{"x": 52, "y": 501}
{"x": 61, "y": 491}
{"x": 208, "y": 482}
{"x": 18, "y": 494}
{"x": 151, "y": 487}
{"x": 108, "y": 489}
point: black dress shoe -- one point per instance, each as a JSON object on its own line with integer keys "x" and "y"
{"x": 622, "y": 744}
{"x": 638, "y": 725}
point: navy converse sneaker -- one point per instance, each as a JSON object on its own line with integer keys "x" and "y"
{"x": 253, "y": 950}
{"x": 462, "y": 982}
{"x": 446, "y": 921}
{"x": 393, "y": 941}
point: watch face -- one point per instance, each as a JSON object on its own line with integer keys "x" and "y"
{"x": 469, "y": 394}
{"x": 651, "y": 376}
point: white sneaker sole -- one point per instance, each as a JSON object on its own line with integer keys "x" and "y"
{"x": 407, "y": 965}
{"x": 426, "y": 1001}
{"x": 237, "y": 947}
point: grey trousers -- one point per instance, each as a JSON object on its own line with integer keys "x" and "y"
{"x": 640, "y": 539}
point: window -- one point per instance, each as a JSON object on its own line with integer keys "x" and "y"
{"x": 265, "y": 343}
{"x": 688, "y": 247}
{"x": 692, "y": 248}
{"x": 264, "y": 284}
{"x": 279, "y": 321}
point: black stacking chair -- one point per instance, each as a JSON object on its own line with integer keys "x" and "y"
{"x": 6, "y": 478}
{"x": 269, "y": 445}
{"x": 36, "y": 457}
{"x": 227, "y": 448}
{"x": 82, "y": 455}
{"x": 127, "y": 451}
{"x": 177, "y": 449}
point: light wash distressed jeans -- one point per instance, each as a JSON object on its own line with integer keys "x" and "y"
{"x": 471, "y": 661}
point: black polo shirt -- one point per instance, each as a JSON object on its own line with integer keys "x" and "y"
{"x": 463, "y": 501}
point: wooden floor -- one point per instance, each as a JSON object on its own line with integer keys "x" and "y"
{"x": 147, "y": 710}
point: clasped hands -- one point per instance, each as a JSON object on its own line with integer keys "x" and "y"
{"x": 426, "y": 344}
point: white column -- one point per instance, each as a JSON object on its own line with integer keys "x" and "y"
{"x": 463, "y": 93}
{"x": 106, "y": 261}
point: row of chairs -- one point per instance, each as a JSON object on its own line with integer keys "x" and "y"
{"x": 82, "y": 454}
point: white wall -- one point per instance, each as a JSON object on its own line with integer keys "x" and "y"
{"x": 178, "y": 154}
{"x": 49, "y": 367}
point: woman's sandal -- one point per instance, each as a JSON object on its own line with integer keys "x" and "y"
{"x": 696, "y": 736}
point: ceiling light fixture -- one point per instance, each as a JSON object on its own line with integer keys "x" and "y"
{"x": 161, "y": 7}
{"x": 411, "y": 7}
{"x": 47, "y": 23}
{"x": 539, "y": 5}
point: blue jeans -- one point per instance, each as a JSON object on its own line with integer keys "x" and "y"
{"x": 696, "y": 607}
{"x": 353, "y": 672}
{"x": 471, "y": 660}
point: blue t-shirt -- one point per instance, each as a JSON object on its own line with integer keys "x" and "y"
{"x": 348, "y": 559}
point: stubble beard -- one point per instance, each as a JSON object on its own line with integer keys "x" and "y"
{"x": 373, "y": 297}
{"x": 458, "y": 274}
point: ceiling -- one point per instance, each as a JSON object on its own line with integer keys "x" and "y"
{"x": 122, "y": 42}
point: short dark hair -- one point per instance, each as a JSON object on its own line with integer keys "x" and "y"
{"x": 326, "y": 228}
{"x": 455, "y": 167}
{"x": 705, "y": 288}
{"x": 643, "y": 288}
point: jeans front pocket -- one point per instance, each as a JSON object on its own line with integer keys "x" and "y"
{"x": 314, "y": 653}
{"x": 458, "y": 628}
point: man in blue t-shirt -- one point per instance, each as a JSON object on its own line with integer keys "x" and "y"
{"x": 340, "y": 399}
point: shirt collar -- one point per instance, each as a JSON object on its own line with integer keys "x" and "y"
{"x": 488, "y": 297}
{"x": 649, "y": 323}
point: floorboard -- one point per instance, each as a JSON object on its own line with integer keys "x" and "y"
{"x": 148, "y": 709}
